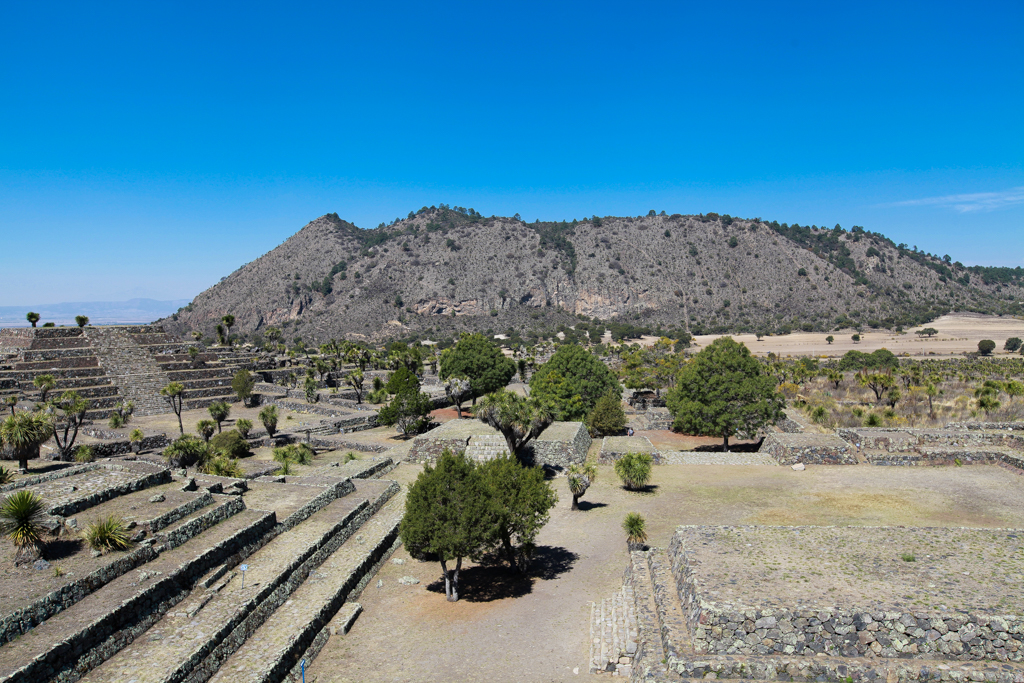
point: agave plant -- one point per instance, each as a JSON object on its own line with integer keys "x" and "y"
{"x": 223, "y": 466}
{"x": 21, "y": 520}
{"x": 6, "y": 476}
{"x": 636, "y": 533}
{"x": 634, "y": 469}
{"x": 108, "y": 534}
{"x": 298, "y": 453}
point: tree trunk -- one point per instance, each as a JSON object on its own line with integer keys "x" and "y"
{"x": 458, "y": 410}
{"x": 510, "y": 552}
{"x": 181, "y": 427}
{"x": 451, "y": 580}
{"x": 725, "y": 440}
{"x": 575, "y": 503}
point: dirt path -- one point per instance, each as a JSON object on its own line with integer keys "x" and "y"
{"x": 537, "y": 630}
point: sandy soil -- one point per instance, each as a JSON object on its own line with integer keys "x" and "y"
{"x": 958, "y": 333}
{"x": 537, "y": 629}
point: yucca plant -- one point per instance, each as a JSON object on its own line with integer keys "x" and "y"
{"x": 286, "y": 466}
{"x": 21, "y": 520}
{"x": 298, "y": 453}
{"x": 84, "y": 454}
{"x": 205, "y": 428}
{"x": 244, "y": 427}
{"x": 634, "y": 469}
{"x": 580, "y": 476}
{"x": 223, "y": 466}
{"x": 636, "y": 533}
{"x": 6, "y": 476}
{"x": 108, "y": 534}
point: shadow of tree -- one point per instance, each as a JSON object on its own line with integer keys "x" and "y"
{"x": 61, "y": 548}
{"x": 587, "y": 505}
{"x": 492, "y": 580}
{"x": 733, "y": 447}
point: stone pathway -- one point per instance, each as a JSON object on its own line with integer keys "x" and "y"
{"x": 613, "y": 633}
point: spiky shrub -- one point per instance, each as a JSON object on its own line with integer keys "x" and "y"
{"x": 286, "y": 467}
{"x": 299, "y": 453}
{"x": 21, "y": 519}
{"x": 244, "y": 427}
{"x": 84, "y": 454}
{"x": 115, "y": 421}
{"x": 636, "y": 532}
{"x": 108, "y": 534}
{"x": 580, "y": 476}
{"x": 186, "y": 451}
{"x": 205, "y": 429}
{"x": 6, "y": 476}
{"x": 135, "y": 436}
{"x": 634, "y": 469}
{"x": 223, "y": 466}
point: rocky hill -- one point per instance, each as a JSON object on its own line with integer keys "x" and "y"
{"x": 444, "y": 270}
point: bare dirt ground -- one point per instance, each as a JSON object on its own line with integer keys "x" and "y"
{"x": 537, "y": 629}
{"x": 958, "y": 333}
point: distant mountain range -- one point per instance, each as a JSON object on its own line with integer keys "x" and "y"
{"x": 445, "y": 270}
{"x": 99, "y": 312}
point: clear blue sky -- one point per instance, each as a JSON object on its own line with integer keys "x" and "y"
{"x": 147, "y": 149}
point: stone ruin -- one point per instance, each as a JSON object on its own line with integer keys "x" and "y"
{"x": 173, "y": 607}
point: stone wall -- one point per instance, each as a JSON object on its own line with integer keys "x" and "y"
{"x": 818, "y": 449}
{"x": 112, "y": 448}
{"x": 560, "y": 445}
{"x": 614, "y": 447}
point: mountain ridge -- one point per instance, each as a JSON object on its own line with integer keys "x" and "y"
{"x": 443, "y": 270}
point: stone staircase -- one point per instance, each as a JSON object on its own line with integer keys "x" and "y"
{"x": 665, "y": 651}
{"x": 613, "y": 633}
{"x": 176, "y": 606}
{"x": 131, "y": 368}
{"x": 484, "y": 447}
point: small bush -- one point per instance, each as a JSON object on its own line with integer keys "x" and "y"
{"x": 908, "y": 557}
{"x": 21, "y": 518}
{"x": 108, "y": 534}
{"x": 84, "y": 454}
{"x": 136, "y": 436}
{"x": 186, "y": 451}
{"x": 299, "y": 453}
{"x": 636, "y": 530}
{"x": 223, "y": 466}
{"x": 230, "y": 444}
{"x": 634, "y": 469}
{"x": 243, "y": 427}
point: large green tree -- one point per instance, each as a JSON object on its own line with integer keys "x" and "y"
{"x": 723, "y": 392}
{"x": 448, "y": 515}
{"x": 521, "y": 501}
{"x": 583, "y": 373}
{"x": 481, "y": 362}
{"x": 409, "y": 410}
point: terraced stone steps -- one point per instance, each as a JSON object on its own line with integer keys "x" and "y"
{"x": 78, "y": 638}
{"x": 90, "y": 486}
{"x": 300, "y": 625}
{"x": 613, "y": 634}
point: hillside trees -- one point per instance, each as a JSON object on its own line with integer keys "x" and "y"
{"x": 480, "y": 361}
{"x": 724, "y": 391}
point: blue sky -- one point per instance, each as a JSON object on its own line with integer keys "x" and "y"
{"x": 147, "y": 149}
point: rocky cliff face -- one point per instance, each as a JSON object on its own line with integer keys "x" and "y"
{"x": 443, "y": 270}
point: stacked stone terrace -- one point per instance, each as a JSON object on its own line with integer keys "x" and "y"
{"x": 557, "y": 447}
{"x": 64, "y": 352}
{"x": 830, "y": 604}
{"x": 173, "y": 607}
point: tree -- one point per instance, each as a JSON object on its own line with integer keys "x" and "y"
{"x": 927, "y": 332}
{"x": 518, "y": 419}
{"x": 558, "y": 393}
{"x": 520, "y": 503}
{"x": 877, "y": 382}
{"x": 830, "y": 339}
{"x": 229, "y": 322}
{"x": 402, "y": 380}
{"x": 355, "y": 380}
{"x": 585, "y": 374}
{"x": 21, "y": 520}
{"x": 724, "y": 391}
{"x": 242, "y": 384}
{"x": 268, "y": 417}
{"x": 477, "y": 359}
{"x": 1012, "y": 344}
{"x": 69, "y": 412}
{"x": 82, "y": 320}
{"x": 607, "y": 417}
{"x": 457, "y": 388}
{"x": 835, "y": 376}
{"x": 174, "y": 394}
{"x": 10, "y": 402}
{"x": 986, "y": 346}
{"x": 409, "y": 410}
{"x": 311, "y": 388}
{"x": 221, "y": 335}
{"x": 32, "y": 317}
{"x": 205, "y": 429}
{"x": 855, "y": 338}
{"x": 447, "y": 516}
{"x": 580, "y": 477}
{"x": 219, "y": 411}
{"x": 636, "y": 531}
{"x": 634, "y": 469}
{"x": 45, "y": 384}
{"x": 25, "y": 433}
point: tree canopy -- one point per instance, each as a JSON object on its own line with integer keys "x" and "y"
{"x": 481, "y": 362}
{"x": 583, "y": 374}
{"x": 518, "y": 419}
{"x": 724, "y": 391}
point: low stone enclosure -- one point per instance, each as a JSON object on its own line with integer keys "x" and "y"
{"x": 829, "y": 604}
{"x": 558, "y": 446}
{"x": 176, "y": 606}
{"x": 614, "y": 447}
